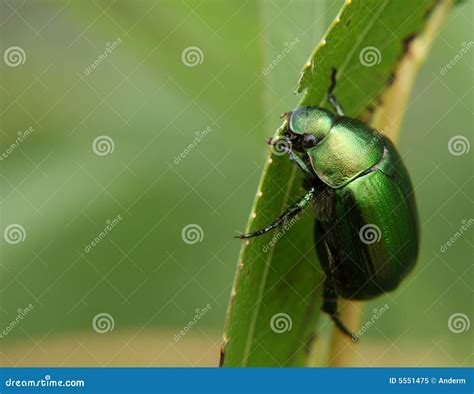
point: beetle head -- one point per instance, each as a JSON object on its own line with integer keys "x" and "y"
{"x": 308, "y": 125}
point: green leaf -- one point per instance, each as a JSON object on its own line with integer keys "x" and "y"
{"x": 275, "y": 301}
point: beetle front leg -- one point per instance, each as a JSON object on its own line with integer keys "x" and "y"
{"x": 337, "y": 106}
{"x": 292, "y": 211}
{"x": 294, "y": 158}
{"x": 331, "y": 98}
{"x": 330, "y": 306}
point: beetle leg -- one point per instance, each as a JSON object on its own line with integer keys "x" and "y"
{"x": 294, "y": 158}
{"x": 300, "y": 163}
{"x": 292, "y": 211}
{"x": 331, "y": 98}
{"x": 330, "y": 306}
{"x": 337, "y": 106}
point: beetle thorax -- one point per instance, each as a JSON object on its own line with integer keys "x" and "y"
{"x": 349, "y": 149}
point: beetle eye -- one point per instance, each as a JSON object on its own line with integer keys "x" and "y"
{"x": 309, "y": 140}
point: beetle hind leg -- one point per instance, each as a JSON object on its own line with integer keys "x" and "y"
{"x": 330, "y": 307}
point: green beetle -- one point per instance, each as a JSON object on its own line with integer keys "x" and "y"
{"x": 366, "y": 228}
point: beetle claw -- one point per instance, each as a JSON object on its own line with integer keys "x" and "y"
{"x": 270, "y": 141}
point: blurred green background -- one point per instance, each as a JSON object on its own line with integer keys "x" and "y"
{"x": 172, "y": 70}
